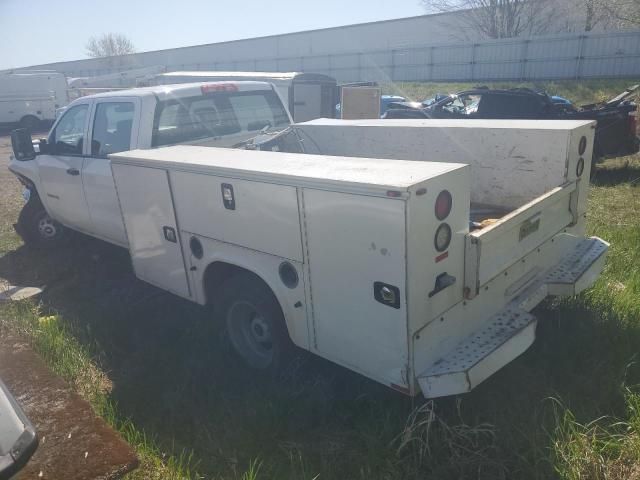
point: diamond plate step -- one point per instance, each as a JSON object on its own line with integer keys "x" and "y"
{"x": 508, "y": 334}
{"x": 580, "y": 269}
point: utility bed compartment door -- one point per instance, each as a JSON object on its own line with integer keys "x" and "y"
{"x": 261, "y": 216}
{"x": 356, "y": 247}
{"x": 149, "y": 218}
{"x": 491, "y": 250}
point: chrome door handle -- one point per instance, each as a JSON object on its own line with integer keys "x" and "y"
{"x": 73, "y": 171}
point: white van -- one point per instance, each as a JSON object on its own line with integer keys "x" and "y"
{"x": 29, "y": 98}
{"x": 306, "y": 95}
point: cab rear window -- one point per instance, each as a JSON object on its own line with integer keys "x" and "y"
{"x": 191, "y": 119}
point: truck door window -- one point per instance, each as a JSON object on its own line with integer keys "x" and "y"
{"x": 68, "y": 136}
{"x": 112, "y": 128}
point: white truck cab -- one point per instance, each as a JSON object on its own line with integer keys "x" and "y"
{"x": 71, "y": 175}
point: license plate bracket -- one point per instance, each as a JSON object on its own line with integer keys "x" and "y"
{"x": 529, "y": 226}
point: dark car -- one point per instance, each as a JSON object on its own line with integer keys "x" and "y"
{"x": 615, "y": 132}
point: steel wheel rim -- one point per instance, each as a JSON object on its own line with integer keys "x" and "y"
{"x": 47, "y": 227}
{"x": 250, "y": 333}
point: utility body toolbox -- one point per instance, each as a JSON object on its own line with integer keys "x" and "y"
{"x": 390, "y": 278}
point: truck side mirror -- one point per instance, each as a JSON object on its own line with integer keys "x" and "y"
{"x": 22, "y": 145}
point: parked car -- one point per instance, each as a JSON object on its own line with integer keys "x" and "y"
{"x": 18, "y": 438}
{"x": 368, "y": 262}
{"x": 615, "y": 131}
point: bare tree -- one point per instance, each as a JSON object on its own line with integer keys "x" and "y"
{"x": 498, "y": 18}
{"x": 109, "y": 45}
{"x": 623, "y": 13}
{"x": 589, "y": 15}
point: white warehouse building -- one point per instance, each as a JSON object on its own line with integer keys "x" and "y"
{"x": 422, "y": 48}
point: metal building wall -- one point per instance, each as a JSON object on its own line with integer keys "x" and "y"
{"x": 396, "y": 50}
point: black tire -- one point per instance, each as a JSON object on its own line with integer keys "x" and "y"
{"x": 30, "y": 122}
{"x": 255, "y": 324}
{"x": 37, "y": 228}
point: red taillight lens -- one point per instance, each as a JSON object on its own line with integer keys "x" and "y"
{"x": 443, "y": 205}
{"x": 218, "y": 87}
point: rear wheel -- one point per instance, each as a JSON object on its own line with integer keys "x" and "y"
{"x": 255, "y": 323}
{"x": 37, "y": 228}
{"x": 30, "y": 122}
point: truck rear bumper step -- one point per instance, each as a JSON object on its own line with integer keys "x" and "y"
{"x": 508, "y": 334}
{"x": 580, "y": 269}
{"x": 511, "y": 331}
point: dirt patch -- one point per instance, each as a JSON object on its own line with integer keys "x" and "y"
{"x": 74, "y": 442}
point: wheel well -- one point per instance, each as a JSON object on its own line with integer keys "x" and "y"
{"x": 217, "y": 272}
{"x": 30, "y": 116}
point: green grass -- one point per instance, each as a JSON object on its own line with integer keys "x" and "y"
{"x": 157, "y": 368}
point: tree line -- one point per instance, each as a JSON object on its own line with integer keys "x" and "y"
{"x": 487, "y": 19}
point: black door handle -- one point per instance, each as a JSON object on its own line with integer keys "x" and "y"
{"x": 73, "y": 171}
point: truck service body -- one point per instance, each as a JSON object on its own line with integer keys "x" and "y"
{"x": 28, "y": 98}
{"x": 411, "y": 252}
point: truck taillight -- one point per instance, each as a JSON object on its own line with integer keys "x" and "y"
{"x": 582, "y": 146}
{"x": 443, "y": 205}
{"x": 443, "y": 237}
{"x": 218, "y": 87}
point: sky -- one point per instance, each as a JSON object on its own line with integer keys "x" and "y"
{"x": 43, "y": 31}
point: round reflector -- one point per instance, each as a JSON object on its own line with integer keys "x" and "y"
{"x": 580, "y": 167}
{"x": 196, "y": 248}
{"x": 288, "y": 274}
{"x": 443, "y": 237}
{"x": 443, "y": 204}
{"x": 582, "y": 146}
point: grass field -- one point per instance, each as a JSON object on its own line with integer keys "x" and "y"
{"x": 159, "y": 370}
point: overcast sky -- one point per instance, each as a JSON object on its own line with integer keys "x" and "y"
{"x": 43, "y": 31}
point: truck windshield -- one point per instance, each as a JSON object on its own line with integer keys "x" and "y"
{"x": 184, "y": 120}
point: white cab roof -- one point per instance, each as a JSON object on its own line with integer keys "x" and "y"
{"x": 200, "y": 73}
{"x": 180, "y": 90}
{"x": 454, "y": 123}
{"x": 360, "y": 175}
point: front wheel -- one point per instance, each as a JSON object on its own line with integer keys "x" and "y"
{"x": 37, "y": 228}
{"x": 255, "y": 323}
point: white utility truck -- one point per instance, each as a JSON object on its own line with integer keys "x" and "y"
{"x": 29, "y": 98}
{"x": 419, "y": 274}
